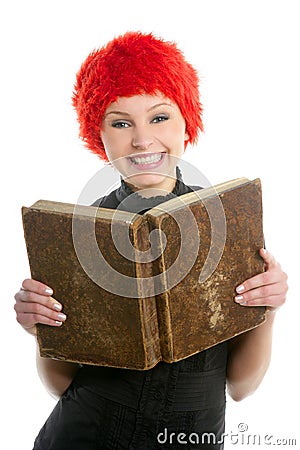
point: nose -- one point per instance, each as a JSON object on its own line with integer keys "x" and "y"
{"x": 141, "y": 139}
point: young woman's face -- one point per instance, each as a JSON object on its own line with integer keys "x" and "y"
{"x": 144, "y": 136}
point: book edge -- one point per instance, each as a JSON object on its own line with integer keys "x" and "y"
{"x": 166, "y": 345}
{"x": 150, "y": 360}
{"x": 86, "y": 211}
{"x": 197, "y": 195}
{"x": 263, "y": 320}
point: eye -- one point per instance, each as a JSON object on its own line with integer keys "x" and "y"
{"x": 160, "y": 118}
{"x": 120, "y": 124}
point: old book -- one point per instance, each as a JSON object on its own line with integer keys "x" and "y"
{"x": 138, "y": 289}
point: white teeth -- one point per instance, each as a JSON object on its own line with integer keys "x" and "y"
{"x": 147, "y": 159}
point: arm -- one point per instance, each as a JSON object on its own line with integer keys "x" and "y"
{"x": 250, "y": 353}
{"x": 55, "y": 375}
{"x": 34, "y": 304}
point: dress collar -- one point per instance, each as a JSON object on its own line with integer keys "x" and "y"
{"x": 134, "y": 202}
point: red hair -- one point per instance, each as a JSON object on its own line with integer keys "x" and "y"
{"x": 129, "y": 65}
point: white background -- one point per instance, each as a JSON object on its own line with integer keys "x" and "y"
{"x": 247, "y": 54}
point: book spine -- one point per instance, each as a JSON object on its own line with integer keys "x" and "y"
{"x": 147, "y": 301}
{"x": 161, "y": 293}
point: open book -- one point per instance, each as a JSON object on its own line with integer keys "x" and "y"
{"x": 138, "y": 289}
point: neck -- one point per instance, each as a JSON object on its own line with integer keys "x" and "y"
{"x": 159, "y": 187}
{"x": 153, "y": 191}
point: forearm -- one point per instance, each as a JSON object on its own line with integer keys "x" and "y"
{"x": 55, "y": 375}
{"x": 249, "y": 358}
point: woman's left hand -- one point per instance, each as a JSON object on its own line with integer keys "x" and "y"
{"x": 266, "y": 289}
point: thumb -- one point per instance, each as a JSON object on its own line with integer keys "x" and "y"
{"x": 268, "y": 258}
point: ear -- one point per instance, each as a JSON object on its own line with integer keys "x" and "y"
{"x": 186, "y": 136}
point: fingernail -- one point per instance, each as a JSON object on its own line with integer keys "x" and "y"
{"x": 48, "y": 291}
{"x": 240, "y": 289}
{"x": 57, "y": 306}
{"x": 239, "y": 298}
{"x": 61, "y": 316}
{"x": 58, "y": 323}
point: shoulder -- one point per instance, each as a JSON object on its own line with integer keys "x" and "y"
{"x": 107, "y": 201}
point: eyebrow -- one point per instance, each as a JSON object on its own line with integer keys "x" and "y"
{"x": 123, "y": 113}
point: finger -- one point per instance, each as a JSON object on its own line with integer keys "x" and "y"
{"x": 274, "y": 301}
{"x": 36, "y": 286}
{"x": 38, "y": 309}
{"x": 263, "y": 292}
{"x": 32, "y": 313}
{"x": 262, "y": 279}
{"x": 29, "y": 320}
{"x": 33, "y": 297}
{"x": 268, "y": 258}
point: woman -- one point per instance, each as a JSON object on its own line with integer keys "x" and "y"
{"x": 138, "y": 107}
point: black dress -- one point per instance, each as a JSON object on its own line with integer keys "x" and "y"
{"x": 172, "y": 406}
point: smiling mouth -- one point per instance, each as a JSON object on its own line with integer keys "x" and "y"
{"x": 152, "y": 158}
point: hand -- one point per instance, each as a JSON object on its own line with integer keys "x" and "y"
{"x": 34, "y": 304}
{"x": 266, "y": 289}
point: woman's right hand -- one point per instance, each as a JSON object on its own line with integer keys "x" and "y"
{"x": 34, "y": 304}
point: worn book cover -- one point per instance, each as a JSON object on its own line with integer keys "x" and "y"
{"x": 138, "y": 289}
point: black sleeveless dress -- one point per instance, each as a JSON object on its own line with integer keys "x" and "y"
{"x": 172, "y": 406}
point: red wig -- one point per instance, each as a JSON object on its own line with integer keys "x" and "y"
{"x": 129, "y": 65}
